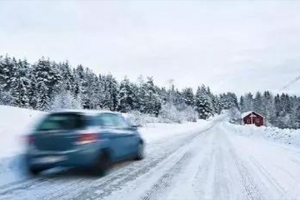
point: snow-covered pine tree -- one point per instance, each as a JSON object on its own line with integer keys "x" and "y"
{"x": 43, "y": 99}
{"x": 296, "y": 122}
{"x": 47, "y": 81}
{"x": 125, "y": 96}
{"x": 7, "y": 71}
{"x": 111, "y": 91}
{"x": 135, "y": 96}
{"x": 152, "y": 100}
{"x": 203, "y": 104}
{"x": 211, "y": 98}
{"x": 178, "y": 100}
{"x": 188, "y": 96}
{"x": 242, "y": 104}
{"x": 81, "y": 85}
{"x": 248, "y": 103}
{"x": 5, "y": 95}
{"x": 258, "y": 103}
{"x": 76, "y": 84}
{"x": 67, "y": 77}
{"x": 216, "y": 104}
{"x": 93, "y": 95}
{"x": 20, "y": 85}
{"x": 268, "y": 106}
{"x": 141, "y": 94}
{"x": 32, "y": 92}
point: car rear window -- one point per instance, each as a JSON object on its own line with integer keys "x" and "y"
{"x": 62, "y": 121}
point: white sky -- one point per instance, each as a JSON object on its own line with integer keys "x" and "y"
{"x": 230, "y": 46}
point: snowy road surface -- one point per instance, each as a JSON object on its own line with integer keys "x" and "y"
{"x": 212, "y": 163}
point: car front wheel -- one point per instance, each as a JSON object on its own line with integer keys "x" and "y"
{"x": 140, "y": 152}
{"x": 33, "y": 171}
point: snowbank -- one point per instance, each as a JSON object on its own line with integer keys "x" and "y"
{"x": 285, "y": 136}
{"x": 14, "y": 122}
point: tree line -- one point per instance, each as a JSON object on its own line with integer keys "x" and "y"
{"x": 47, "y": 85}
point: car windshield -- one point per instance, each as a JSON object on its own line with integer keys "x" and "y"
{"x": 65, "y": 121}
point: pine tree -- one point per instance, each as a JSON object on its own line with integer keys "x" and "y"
{"x": 7, "y": 73}
{"x": 67, "y": 77}
{"x": 203, "y": 104}
{"x": 216, "y": 104}
{"x": 47, "y": 81}
{"x": 248, "y": 102}
{"x": 21, "y": 85}
{"x": 125, "y": 96}
{"x": 258, "y": 103}
{"x": 242, "y": 104}
{"x": 269, "y": 107}
{"x": 141, "y": 94}
{"x": 188, "y": 96}
{"x": 43, "y": 99}
{"x": 81, "y": 85}
{"x": 152, "y": 100}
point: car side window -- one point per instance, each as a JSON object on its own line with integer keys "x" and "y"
{"x": 106, "y": 120}
{"x": 112, "y": 120}
{"x": 121, "y": 122}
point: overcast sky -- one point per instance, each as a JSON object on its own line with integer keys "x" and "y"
{"x": 230, "y": 46}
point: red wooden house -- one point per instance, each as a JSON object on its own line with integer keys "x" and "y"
{"x": 253, "y": 118}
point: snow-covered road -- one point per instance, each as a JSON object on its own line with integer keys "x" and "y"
{"x": 212, "y": 163}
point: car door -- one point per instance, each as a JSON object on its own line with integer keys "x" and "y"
{"x": 116, "y": 135}
{"x": 129, "y": 134}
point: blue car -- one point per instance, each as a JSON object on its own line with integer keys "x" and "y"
{"x": 82, "y": 139}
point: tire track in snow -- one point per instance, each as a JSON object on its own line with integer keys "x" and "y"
{"x": 202, "y": 183}
{"x": 222, "y": 182}
{"x": 252, "y": 190}
{"x": 165, "y": 181}
{"x": 280, "y": 190}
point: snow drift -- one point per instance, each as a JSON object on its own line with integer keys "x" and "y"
{"x": 285, "y": 136}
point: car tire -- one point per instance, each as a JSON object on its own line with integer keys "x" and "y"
{"x": 140, "y": 152}
{"x": 34, "y": 171}
{"x": 102, "y": 165}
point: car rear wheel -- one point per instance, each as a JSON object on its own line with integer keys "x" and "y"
{"x": 102, "y": 165}
{"x": 140, "y": 152}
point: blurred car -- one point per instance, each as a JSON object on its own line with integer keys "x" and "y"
{"x": 82, "y": 139}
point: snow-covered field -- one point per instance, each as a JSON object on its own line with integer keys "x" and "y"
{"x": 205, "y": 160}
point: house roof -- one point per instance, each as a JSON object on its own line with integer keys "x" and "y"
{"x": 249, "y": 112}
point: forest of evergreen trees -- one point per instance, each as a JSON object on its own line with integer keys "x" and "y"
{"x": 47, "y": 85}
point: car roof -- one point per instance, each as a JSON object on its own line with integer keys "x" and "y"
{"x": 86, "y": 112}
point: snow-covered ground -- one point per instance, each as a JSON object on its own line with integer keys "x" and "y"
{"x": 205, "y": 160}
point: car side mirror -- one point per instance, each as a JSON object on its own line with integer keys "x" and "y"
{"x": 135, "y": 126}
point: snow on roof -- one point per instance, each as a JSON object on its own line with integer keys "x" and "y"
{"x": 246, "y": 113}
{"x": 249, "y": 112}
